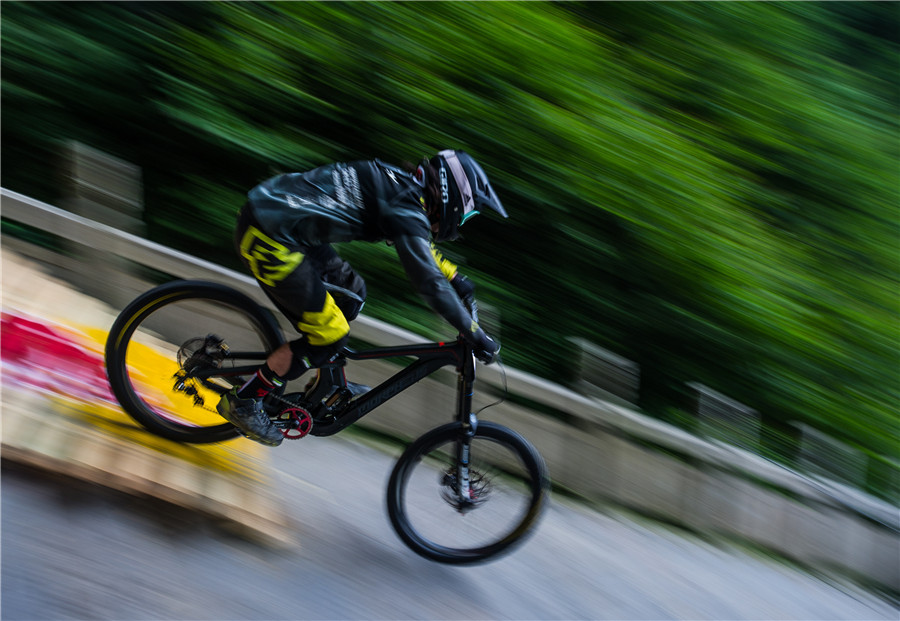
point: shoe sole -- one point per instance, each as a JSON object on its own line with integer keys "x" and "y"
{"x": 250, "y": 436}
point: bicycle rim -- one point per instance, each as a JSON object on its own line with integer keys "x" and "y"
{"x": 508, "y": 484}
{"x": 156, "y": 344}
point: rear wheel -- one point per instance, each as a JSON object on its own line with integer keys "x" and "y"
{"x": 508, "y": 485}
{"x": 172, "y": 352}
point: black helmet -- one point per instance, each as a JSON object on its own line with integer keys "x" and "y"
{"x": 465, "y": 192}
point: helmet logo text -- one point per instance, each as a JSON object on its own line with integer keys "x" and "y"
{"x": 445, "y": 190}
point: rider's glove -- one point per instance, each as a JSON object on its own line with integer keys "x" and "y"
{"x": 485, "y": 348}
{"x": 464, "y": 287}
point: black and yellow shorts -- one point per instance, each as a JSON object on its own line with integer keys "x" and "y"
{"x": 294, "y": 277}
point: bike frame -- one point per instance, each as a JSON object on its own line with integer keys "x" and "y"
{"x": 208, "y": 368}
{"x": 429, "y": 358}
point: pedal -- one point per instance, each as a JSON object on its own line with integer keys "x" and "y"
{"x": 337, "y": 397}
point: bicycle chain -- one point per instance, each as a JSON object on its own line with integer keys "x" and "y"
{"x": 189, "y": 388}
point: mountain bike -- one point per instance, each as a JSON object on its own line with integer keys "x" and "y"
{"x": 463, "y": 492}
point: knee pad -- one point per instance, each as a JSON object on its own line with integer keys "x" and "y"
{"x": 347, "y": 287}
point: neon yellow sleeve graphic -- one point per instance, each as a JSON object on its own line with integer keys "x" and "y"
{"x": 447, "y": 268}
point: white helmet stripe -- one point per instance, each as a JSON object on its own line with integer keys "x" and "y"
{"x": 462, "y": 182}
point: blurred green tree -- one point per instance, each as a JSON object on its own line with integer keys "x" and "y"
{"x": 709, "y": 189}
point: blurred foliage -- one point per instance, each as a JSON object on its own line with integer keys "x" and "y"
{"x": 709, "y": 189}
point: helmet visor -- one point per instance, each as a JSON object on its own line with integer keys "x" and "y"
{"x": 462, "y": 183}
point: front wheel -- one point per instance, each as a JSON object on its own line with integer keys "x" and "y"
{"x": 445, "y": 520}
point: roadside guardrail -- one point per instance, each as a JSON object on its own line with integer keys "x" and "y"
{"x": 601, "y": 451}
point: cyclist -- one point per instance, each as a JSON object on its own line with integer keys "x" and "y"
{"x": 284, "y": 234}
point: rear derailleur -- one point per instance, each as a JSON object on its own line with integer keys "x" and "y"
{"x": 196, "y": 354}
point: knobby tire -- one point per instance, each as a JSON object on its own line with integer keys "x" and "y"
{"x": 134, "y": 315}
{"x": 536, "y": 480}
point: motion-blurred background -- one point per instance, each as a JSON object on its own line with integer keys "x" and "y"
{"x": 708, "y": 190}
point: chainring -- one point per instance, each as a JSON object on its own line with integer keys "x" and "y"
{"x": 294, "y": 422}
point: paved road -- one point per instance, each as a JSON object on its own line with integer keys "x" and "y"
{"x": 74, "y": 552}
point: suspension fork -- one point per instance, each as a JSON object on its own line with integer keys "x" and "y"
{"x": 465, "y": 386}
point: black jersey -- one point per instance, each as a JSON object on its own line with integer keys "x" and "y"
{"x": 361, "y": 201}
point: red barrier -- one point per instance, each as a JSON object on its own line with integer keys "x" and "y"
{"x": 50, "y": 359}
